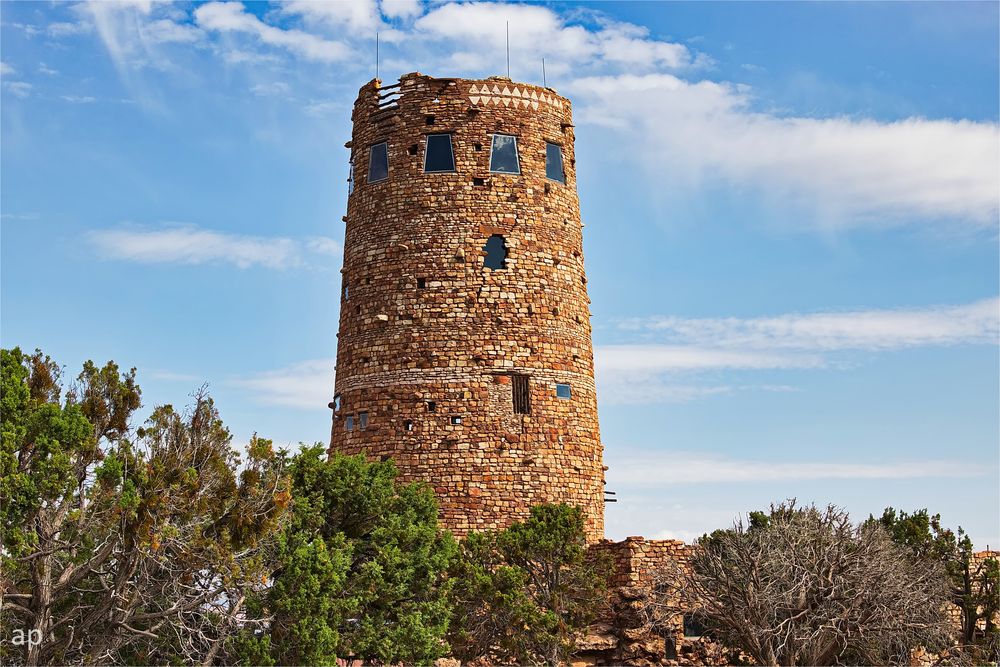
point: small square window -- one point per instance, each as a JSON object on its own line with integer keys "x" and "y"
{"x": 503, "y": 157}
{"x": 421, "y": 283}
{"x": 408, "y": 425}
{"x": 438, "y": 155}
{"x": 554, "y": 163}
{"x": 455, "y": 419}
{"x": 349, "y": 423}
{"x": 564, "y": 391}
{"x": 378, "y": 163}
{"x": 362, "y": 420}
{"x": 432, "y": 406}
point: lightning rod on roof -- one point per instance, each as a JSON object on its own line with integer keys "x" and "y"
{"x": 508, "y": 49}
{"x": 376, "y": 55}
{"x": 544, "y": 84}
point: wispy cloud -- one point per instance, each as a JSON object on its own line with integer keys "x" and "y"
{"x": 885, "y": 329}
{"x": 672, "y": 468}
{"x": 79, "y": 99}
{"x": 5, "y": 69}
{"x": 848, "y": 171}
{"x": 18, "y": 88}
{"x": 306, "y": 385}
{"x": 189, "y": 244}
{"x": 661, "y": 370}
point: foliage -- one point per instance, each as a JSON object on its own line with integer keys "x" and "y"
{"x": 804, "y": 586}
{"x": 121, "y": 547}
{"x": 522, "y": 594}
{"x": 975, "y": 586}
{"x": 362, "y": 569}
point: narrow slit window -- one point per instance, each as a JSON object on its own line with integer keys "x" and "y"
{"x": 362, "y": 420}
{"x": 496, "y": 252}
{"x": 438, "y": 156}
{"x": 378, "y": 163}
{"x": 421, "y": 283}
{"x": 346, "y": 291}
{"x": 336, "y": 402}
{"x": 349, "y": 423}
{"x": 521, "y": 392}
{"x": 408, "y": 425}
{"x": 455, "y": 419}
{"x": 564, "y": 391}
{"x": 350, "y": 180}
{"x": 554, "y": 163}
{"x": 503, "y": 157}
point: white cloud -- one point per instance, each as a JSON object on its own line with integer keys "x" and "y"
{"x": 672, "y": 468}
{"x": 6, "y": 69}
{"x": 476, "y": 31}
{"x": 46, "y": 70}
{"x": 66, "y": 29}
{"x": 973, "y": 323}
{"x": 271, "y": 89}
{"x": 356, "y": 15}
{"x": 79, "y": 99}
{"x": 232, "y": 17}
{"x": 165, "y": 31}
{"x": 307, "y": 385}
{"x": 848, "y": 170}
{"x": 18, "y": 88}
{"x": 189, "y": 244}
{"x": 401, "y": 9}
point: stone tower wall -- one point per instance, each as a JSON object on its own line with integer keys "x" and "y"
{"x": 425, "y": 324}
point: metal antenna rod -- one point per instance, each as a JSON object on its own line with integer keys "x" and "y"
{"x": 376, "y": 55}
{"x": 508, "y": 49}
{"x": 544, "y": 83}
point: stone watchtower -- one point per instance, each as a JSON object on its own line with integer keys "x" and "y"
{"x": 464, "y": 350}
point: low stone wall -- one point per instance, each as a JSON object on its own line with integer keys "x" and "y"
{"x": 627, "y": 632}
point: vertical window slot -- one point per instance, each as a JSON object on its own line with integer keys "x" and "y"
{"x": 554, "y": 163}
{"x": 521, "y": 392}
{"x": 378, "y": 163}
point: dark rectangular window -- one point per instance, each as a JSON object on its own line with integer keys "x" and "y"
{"x": 336, "y": 402}
{"x": 503, "y": 157}
{"x": 408, "y": 425}
{"x": 362, "y": 420}
{"x": 349, "y": 423}
{"x": 564, "y": 391}
{"x": 554, "y": 163}
{"x": 455, "y": 419}
{"x": 521, "y": 393}
{"x": 438, "y": 155}
{"x": 378, "y": 163}
{"x": 432, "y": 406}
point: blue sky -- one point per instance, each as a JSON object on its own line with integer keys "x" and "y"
{"x": 791, "y": 210}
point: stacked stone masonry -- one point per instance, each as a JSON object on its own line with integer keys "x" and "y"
{"x": 432, "y": 342}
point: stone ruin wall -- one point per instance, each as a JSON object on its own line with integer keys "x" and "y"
{"x": 424, "y": 324}
{"x": 622, "y": 634}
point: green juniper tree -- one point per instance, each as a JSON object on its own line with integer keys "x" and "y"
{"x": 523, "y": 594}
{"x": 125, "y": 547}
{"x": 361, "y": 569}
